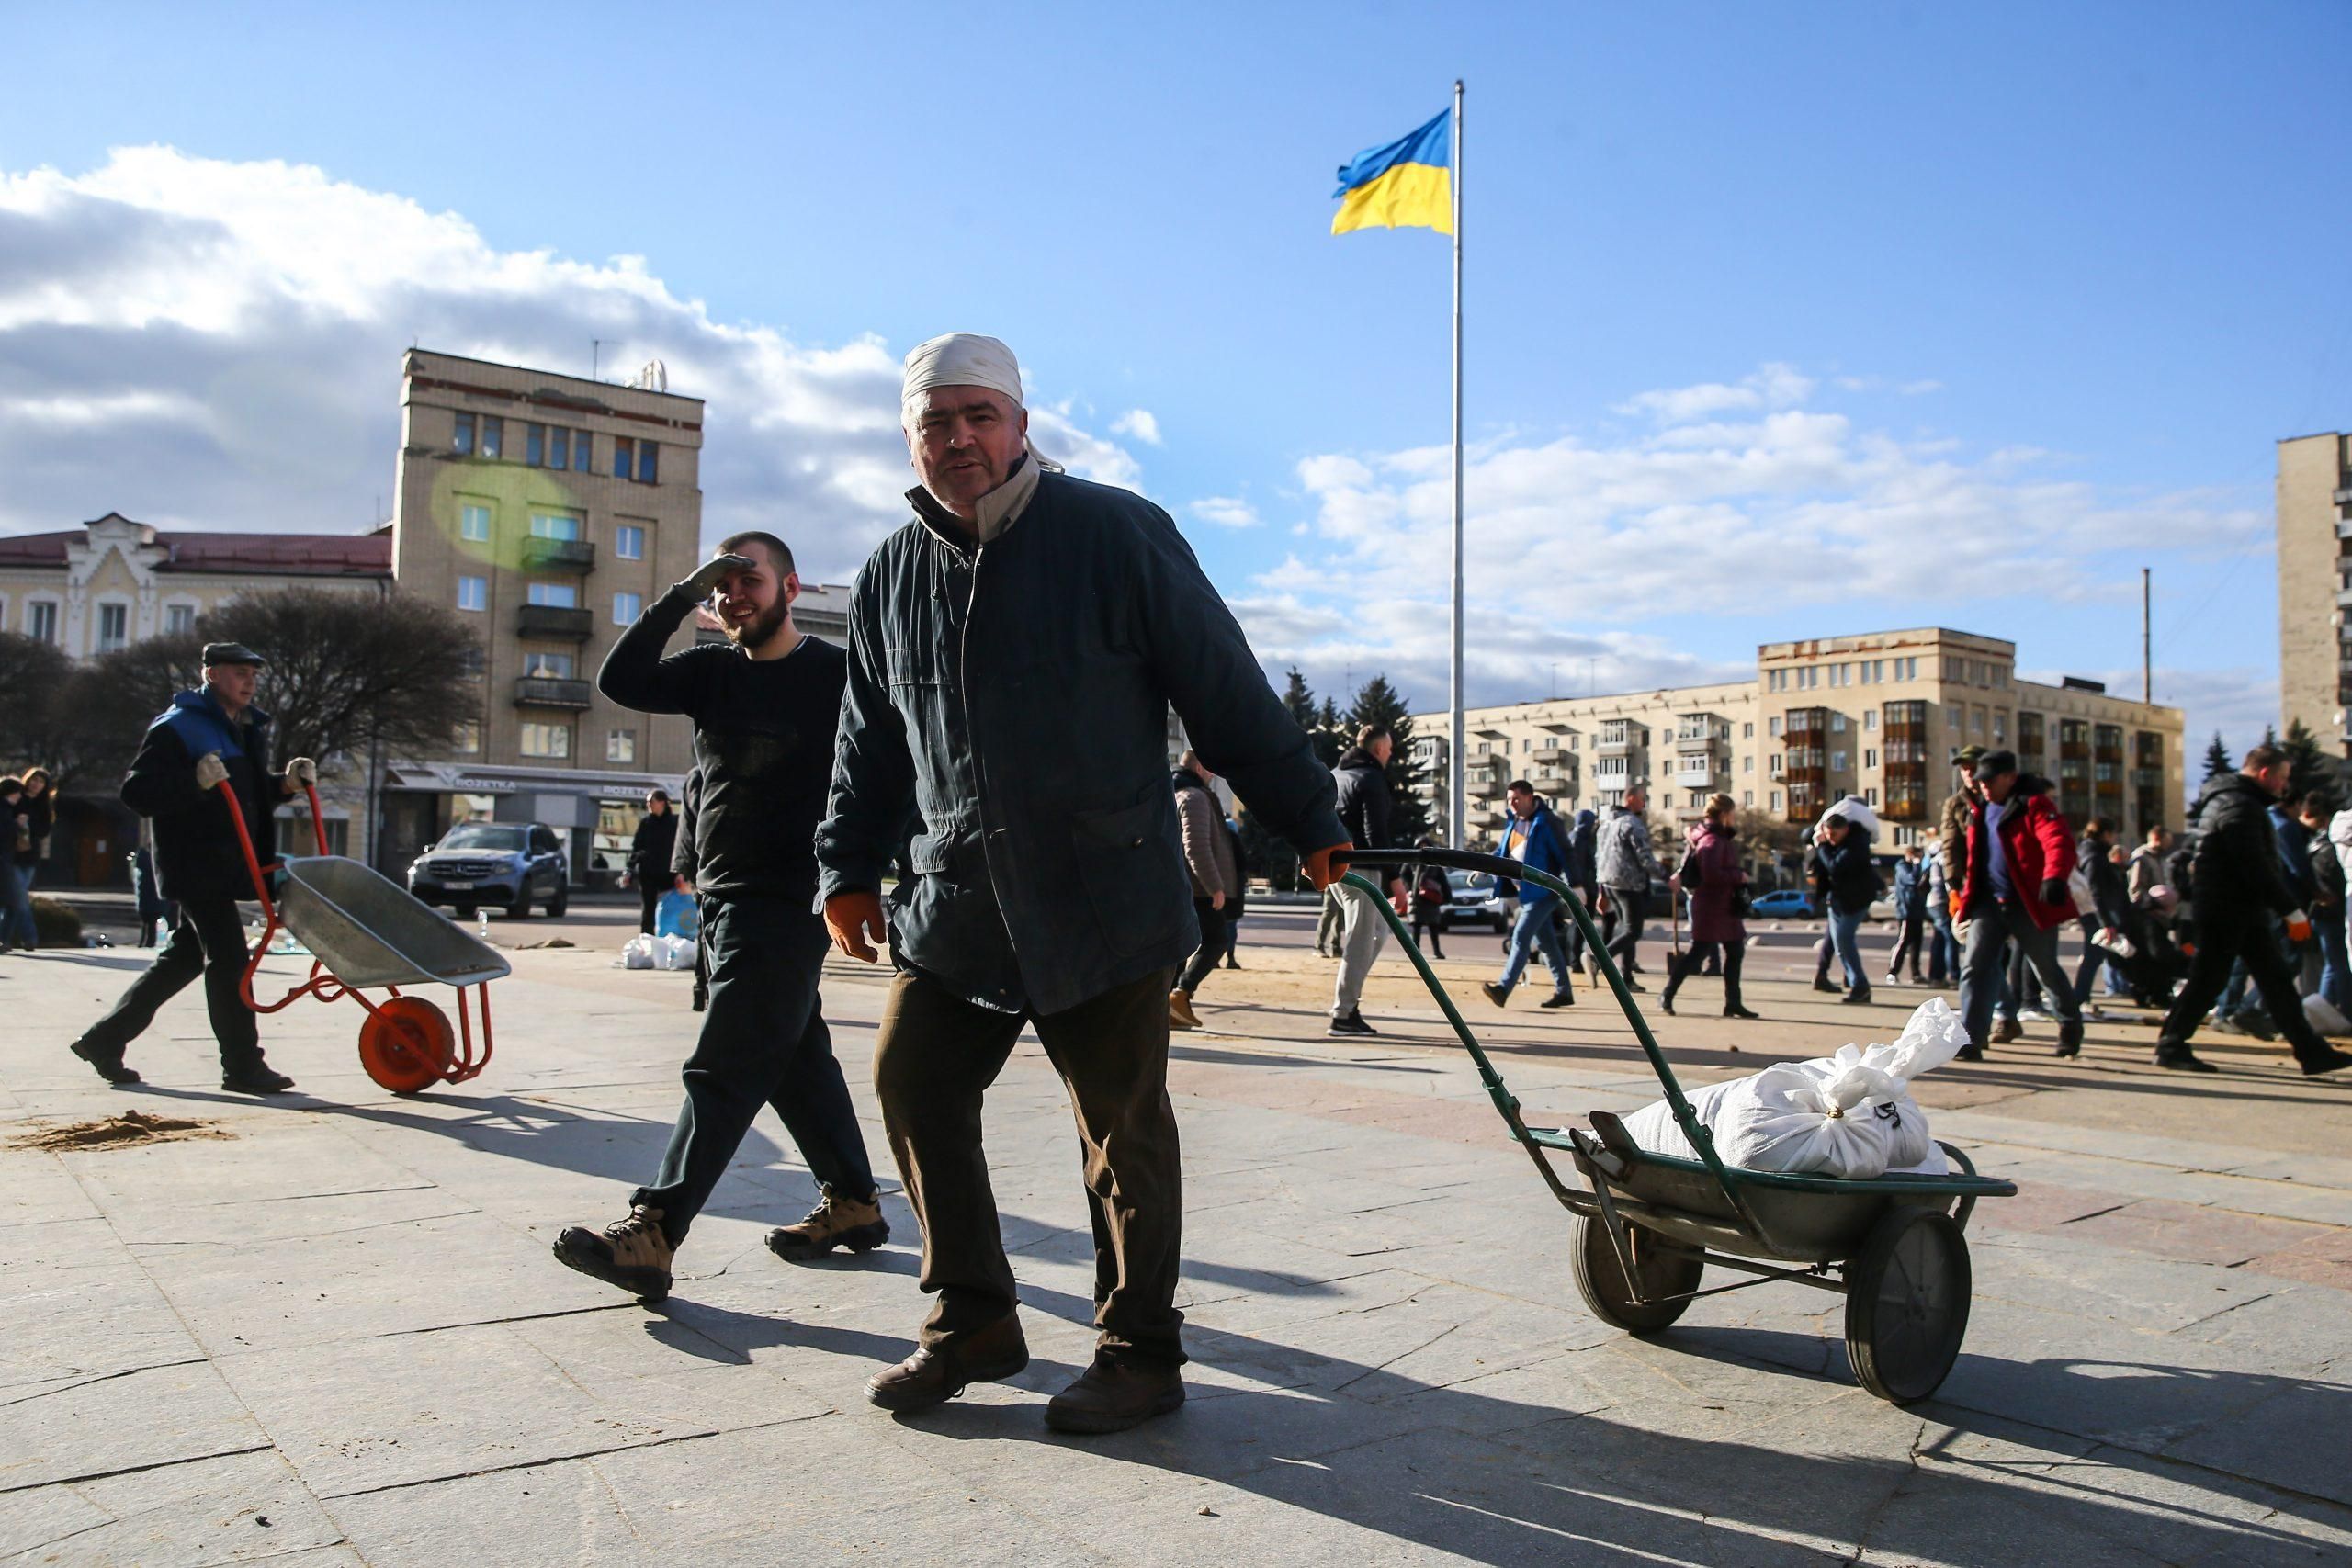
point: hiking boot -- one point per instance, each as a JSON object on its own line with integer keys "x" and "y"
{"x": 633, "y": 1254}
{"x": 933, "y": 1375}
{"x": 256, "y": 1079}
{"x": 109, "y": 1069}
{"x": 2007, "y": 1030}
{"x": 836, "y": 1221}
{"x": 1495, "y": 993}
{"x": 1180, "y": 1011}
{"x": 1114, "y": 1395}
{"x": 2181, "y": 1059}
{"x": 1351, "y": 1025}
{"x": 1559, "y": 999}
{"x": 2334, "y": 1059}
{"x": 2070, "y": 1040}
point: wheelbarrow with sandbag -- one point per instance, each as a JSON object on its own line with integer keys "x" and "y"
{"x": 365, "y": 933}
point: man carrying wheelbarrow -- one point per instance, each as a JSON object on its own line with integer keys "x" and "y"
{"x": 764, "y": 707}
{"x": 1013, "y": 653}
{"x": 209, "y": 737}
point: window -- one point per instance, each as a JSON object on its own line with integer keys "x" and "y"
{"x": 472, "y": 662}
{"x": 1773, "y": 728}
{"x": 559, "y": 448}
{"x": 1776, "y": 800}
{"x": 554, "y": 525}
{"x": 1747, "y": 730}
{"x": 647, "y": 471}
{"x": 494, "y": 436}
{"x": 627, "y": 607}
{"x": 1747, "y": 797}
{"x": 179, "y": 619}
{"x": 620, "y": 746}
{"x": 1775, "y": 761}
{"x": 541, "y": 666}
{"x": 1980, "y": 721}
{"x": 1869, "y": 756}
{"x": 40, "y": 620}
{"x": 534, "y": 444}
{"x": 1748, "y": 765}
{"x": 628, "y": 542}
{"x": 547, "y": 740}
{"x": 2000, "y": 729}
{"x": 114, "y": 627}
{"x": 1956, "y": 716}
{"x": 1870, "y": 796}
{"x": 580, "y": 443}
{"x": 1870, "y": 718}
{"x": 1838, "y": 761}
{"x": 465, "y": 736}
{"x": 473, "y": 594}
{"x": 560, "y": 595}
{"x": 473, "y": 523}
{"x": 624, "y": 458}
{"x": 1838, "y": 723}
{"x": 463, "y": 439}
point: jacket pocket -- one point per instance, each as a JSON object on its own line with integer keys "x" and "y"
{"x": 929, "y": 854}
{"x": 1133, "y": 877}
{"x": 913, "y": 666}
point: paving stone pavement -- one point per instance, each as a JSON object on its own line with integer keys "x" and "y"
{"x": 335, "y": 1334}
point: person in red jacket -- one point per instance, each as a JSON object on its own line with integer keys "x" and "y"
{"x": 2021, "y": 852}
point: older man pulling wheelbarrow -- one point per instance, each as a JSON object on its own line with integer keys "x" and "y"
{"x": 211, "y": 736}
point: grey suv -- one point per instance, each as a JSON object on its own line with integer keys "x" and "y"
{"x": 508, "y": 865}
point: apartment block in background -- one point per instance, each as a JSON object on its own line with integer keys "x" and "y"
{"x": 2315, "y": 589}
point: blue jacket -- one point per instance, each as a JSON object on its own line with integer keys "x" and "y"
{"x": 1546, "y": 851}
{"x": 196, "y": 852}
{"x": 1009, "y": 703}
{"x": 1910, "y": 888}
{"x": 2294, "y": 855}
{"x": 1583, "y": 867}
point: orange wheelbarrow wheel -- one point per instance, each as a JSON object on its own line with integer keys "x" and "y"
{"x": 407, "y": 1044}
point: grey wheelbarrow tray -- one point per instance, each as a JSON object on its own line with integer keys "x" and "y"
{"x": 1647, "y": 1224}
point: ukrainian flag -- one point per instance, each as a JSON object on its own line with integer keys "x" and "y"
{"x": 1408, "y": 184}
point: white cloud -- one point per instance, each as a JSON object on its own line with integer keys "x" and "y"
{"x": 1225, "y": 510}
{"x": 238, "y": 326}
{"x": 1140, "y": 423}
{"x": 1771, "y": 386}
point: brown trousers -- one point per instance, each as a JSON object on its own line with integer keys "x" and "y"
{"x": 933, "y": 1059}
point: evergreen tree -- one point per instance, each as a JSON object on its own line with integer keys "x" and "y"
{"x": 1332, "y": 734}
{"x": 1299, "y": 701}
{"x": 2311, "y": 771}
{"x": 1377, "y": 703}
{"x": 2217, "y": 759}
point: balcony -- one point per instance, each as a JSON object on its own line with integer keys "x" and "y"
{"x": 541, "y": 692}
{"x": 1485, "y": 788}
{"x": 558, "y": 555}
{"x": 1610, "y": 745}
{"x": 1552, "y": 756}
{"x": 555, "y": 621}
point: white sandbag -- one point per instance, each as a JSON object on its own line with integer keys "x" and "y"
{"x": 1850, "y": 1116}
{"x": 637, "y": 952}
{"x": 2325, "y": 1016}
{"x": 673, "y": 953}
{"x": 2115, "y": 941}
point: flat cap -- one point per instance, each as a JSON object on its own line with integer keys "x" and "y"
{"x": 231, "y": 653}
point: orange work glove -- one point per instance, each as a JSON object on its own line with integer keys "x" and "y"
{"x": 2299, "y": 927}
{"x": 1323, "y": 869}
{"x": 856, "y": 924}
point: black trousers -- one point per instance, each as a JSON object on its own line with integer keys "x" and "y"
{"x": 649, "y": 893}
{"x": 1732, "y": 954}
{"x": 1215, "y": 933}
{"x": 1913, "y": 927}
{"x": 1425, "y": 918}
{"x": 763, "y": 1043}
{"x": 1625, "y": 908}
{"x": 934, "y": 1060}
{"x": 209, "y": 939}
{"x": 2241, "y": 938}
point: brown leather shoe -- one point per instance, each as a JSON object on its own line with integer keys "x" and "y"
{"x": 1113, "y": 1396}
{"x": 930, "y": 1377}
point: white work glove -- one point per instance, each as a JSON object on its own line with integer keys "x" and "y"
{"x": 301, "y": 770}
{"x": 210, "y": 771}
{"x": 707, "y": 575}
{"x": 2299, "y": 927}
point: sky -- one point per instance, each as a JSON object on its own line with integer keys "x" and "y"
{"x": 1780, "y": 320}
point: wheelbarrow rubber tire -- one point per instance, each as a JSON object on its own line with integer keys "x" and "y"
{"x": 1602, "y": 1282}
{"x": 407, "y": 1044}
{"x": 1907, "y": 1303}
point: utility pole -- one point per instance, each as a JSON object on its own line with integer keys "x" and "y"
{"x": 2147, "y": 666}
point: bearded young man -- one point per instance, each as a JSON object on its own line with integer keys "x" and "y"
{"x": 764, "y": 707}
{"x": 1014, "y": 650}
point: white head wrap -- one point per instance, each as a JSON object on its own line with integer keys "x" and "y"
{"x": 961, "y": 359}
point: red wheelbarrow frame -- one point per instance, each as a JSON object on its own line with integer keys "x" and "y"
{"x": 397, "y": 1029}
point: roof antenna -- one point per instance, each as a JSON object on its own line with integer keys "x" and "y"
{"x": 595, "y": 353}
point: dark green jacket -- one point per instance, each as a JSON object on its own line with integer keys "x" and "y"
{"x": 1009, "y": 704}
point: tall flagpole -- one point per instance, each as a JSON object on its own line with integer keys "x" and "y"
{"x": 1454, "y": 755}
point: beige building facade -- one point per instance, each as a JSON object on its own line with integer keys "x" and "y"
{"x": 2316, "y": 588}
{"x": 1878, "y": 716}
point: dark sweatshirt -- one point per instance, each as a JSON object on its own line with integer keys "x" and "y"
{"x": 763, "y": 745}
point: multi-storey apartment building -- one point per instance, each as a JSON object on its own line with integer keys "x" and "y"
{"x": 1879, "y": 716}
{"x": 2316, "y": 588}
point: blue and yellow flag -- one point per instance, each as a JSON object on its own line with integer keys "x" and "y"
{"x": 1408, "y": 184}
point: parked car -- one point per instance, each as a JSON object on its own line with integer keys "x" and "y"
{"x": 508, "y": 865}
{"x": 1782, "y": 904}
{"x": 1472, "y": 901}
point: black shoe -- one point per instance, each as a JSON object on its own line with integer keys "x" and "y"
{"x": 2314, "y": 1066}
{"x": 1559, "y": 999}
{"x": 1634, "y": 985}
{"x": 1114, "y": 1395}
{"x": 1735, "y": 1010}
{"x": 256, "y": 1080}
{"x": 1824, "y": 985}
{"x": 2070, "y": 1040}
{"x": 1351, "y": 1025}
{"x": 2181, "y": 1059}
{"x": 1666, "y": 1003}
{"x": 112, "y": 1070}
{"x": 2254, "y": 1023}
{"x": 1495, "y": 993}
{"x": 930, "y": 1377}
{"x": 1856, "y": 998}
{"x": 1968, "y": 1054}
